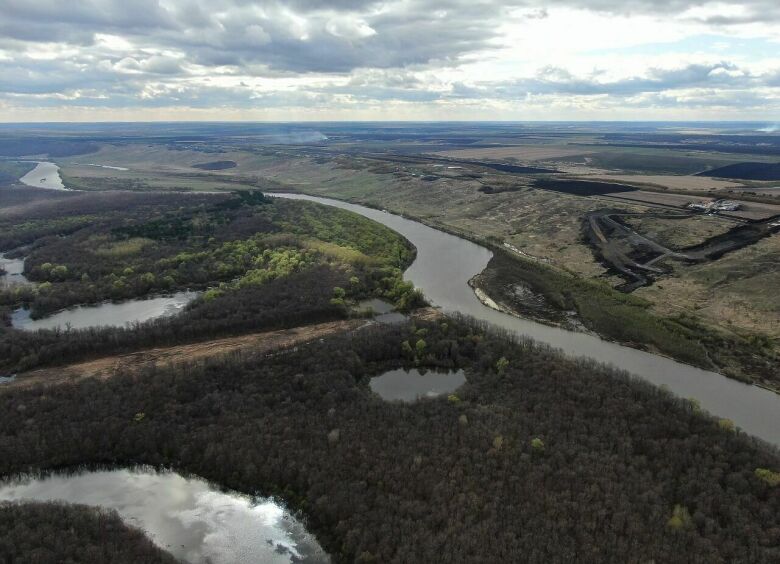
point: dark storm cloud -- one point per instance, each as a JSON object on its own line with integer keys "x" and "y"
{"x": 300, "y": 36}
{"x": 303, "y": 35}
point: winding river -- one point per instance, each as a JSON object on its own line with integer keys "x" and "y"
{"x": 444, "y": 265}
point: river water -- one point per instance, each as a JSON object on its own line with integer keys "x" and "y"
{"x": 444, "y": 265}
{"x": 185, "y": 516}
{"x": 44, "y": 175}
{"x": 105, "y": 314}
{"x": 13, "y": 271}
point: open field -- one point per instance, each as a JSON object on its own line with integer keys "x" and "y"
{"x": 653, "y": 161}
{"x": 737, "y": 292}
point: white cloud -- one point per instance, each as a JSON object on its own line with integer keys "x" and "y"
{"x": 520, "y": 58}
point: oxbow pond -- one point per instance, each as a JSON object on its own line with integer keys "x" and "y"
{"x": 105, "y": 314}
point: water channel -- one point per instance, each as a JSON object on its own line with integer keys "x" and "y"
{"x": 444, "y": 265}
{"x": 105, "y": 314}
{"x": 185, "y": 516}
{"x": 13, "y": 269}
{"x": 44, "y": 175}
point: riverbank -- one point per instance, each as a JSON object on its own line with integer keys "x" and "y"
{"x": 623, "y": 319}
{"x": 445, "y": 263}
{"x": 566, "y": 300}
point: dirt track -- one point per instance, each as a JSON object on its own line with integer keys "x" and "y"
{"x": 256, "y": 342}
{"x": 634, "y": 256}
{"x": 106, "y": 367}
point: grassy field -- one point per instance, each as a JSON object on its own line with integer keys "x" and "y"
{"x": 671, "y": 182}
{"x": 676, "y": 233}
{"x": 737, "y": 293}
{"x": 656, "y": 161}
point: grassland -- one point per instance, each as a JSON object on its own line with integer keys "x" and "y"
{"x": 672, "y": 182}
{"x": 737, "y": 293}
{"x": 679, "y": 233}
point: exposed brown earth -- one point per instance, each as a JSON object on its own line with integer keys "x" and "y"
{"x": 256, "y": 342}
{"x": 108, "y": 366}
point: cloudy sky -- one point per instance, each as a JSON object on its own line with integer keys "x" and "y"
{"x": 94, "y": 60}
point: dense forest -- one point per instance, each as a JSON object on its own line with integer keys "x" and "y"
{"x": 298, "y": 299}
{"x": 262, "y": 263}
{"x": 55, "y": 533}
{"x": 537, "y": 458}
{"x": 242, "y": 241}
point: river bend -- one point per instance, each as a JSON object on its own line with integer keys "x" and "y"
{"x": 444, "y": 265}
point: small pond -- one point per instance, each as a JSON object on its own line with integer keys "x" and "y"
{"x": 411, "y": 385}
{"x": 384, "y": 312}
{"x": 13, "y": 271}
{"x": 106, "y": 314}
{"x": 185, "y": 516}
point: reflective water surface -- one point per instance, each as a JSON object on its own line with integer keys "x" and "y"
{"x": 384, "y": 312}
{"x": 13, "y": 271}
{"x": 185, "y": 516}
{"x": 44, "y": 175}
{"x": 444, "y": 265}
{"x": 411, "y": 385}
{"x": 105, "y": 314}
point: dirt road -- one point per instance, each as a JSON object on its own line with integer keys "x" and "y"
{"x": 107, "y": 366}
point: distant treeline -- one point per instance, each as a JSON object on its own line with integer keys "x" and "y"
{"x": 537, "y": 458}
{"x": 746, "y": 171}
{"x": 22, "y": 146}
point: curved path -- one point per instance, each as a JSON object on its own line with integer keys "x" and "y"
{"x": 444, "y": 265}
